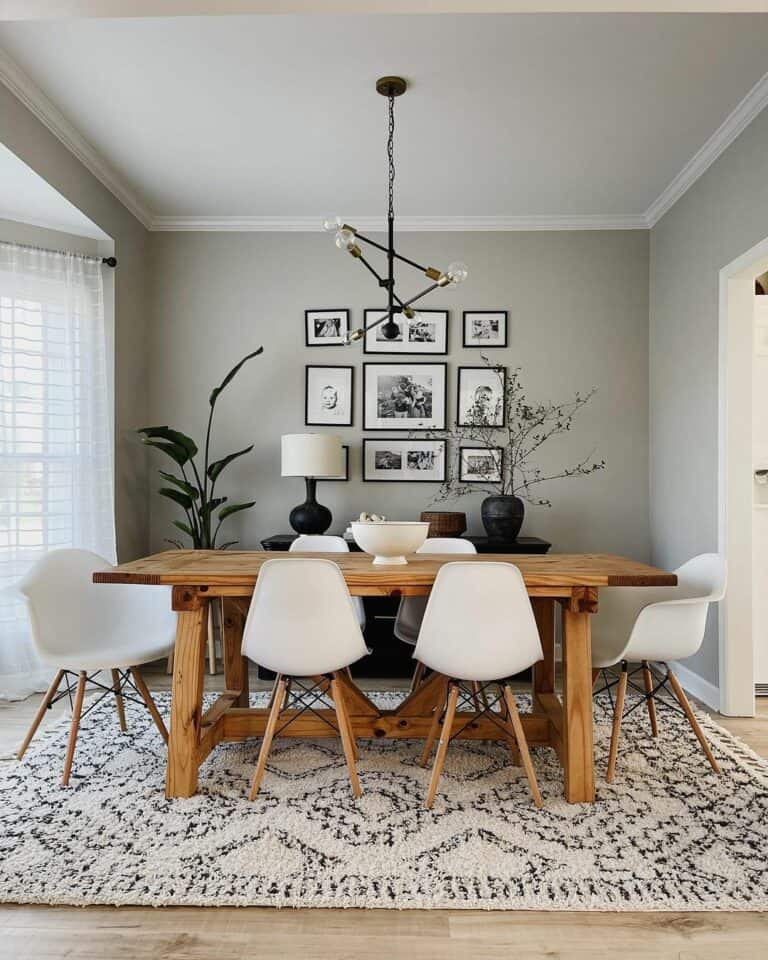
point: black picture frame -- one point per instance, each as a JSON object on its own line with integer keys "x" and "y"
{"x": 345, "y": 478}
{"x": 464, "y": 479}
{"x": 310, "y": 340}
{"x": 389, "y": 427}
{"x": 407, "y": 349}
{"x": 459, "y": 375}
{"x": 483, "y": 346}
{"x": 329, "y": 422}
{"x": 404, "y": 443}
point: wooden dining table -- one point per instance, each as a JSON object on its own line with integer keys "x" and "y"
{"x": 570, "y": 582}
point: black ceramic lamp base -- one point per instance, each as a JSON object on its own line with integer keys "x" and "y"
{"x": 310, "y": 517}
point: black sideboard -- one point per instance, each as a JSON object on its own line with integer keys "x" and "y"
{"x": 391, "y": 657}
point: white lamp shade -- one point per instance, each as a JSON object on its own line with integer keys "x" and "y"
{"x": 312, "y": 455}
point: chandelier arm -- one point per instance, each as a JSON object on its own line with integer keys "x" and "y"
{"x": 411, "y": 263}
{"x": 423, "y": 293}
{"x": 365, "y": 263}
{"x": 397, "y": 256}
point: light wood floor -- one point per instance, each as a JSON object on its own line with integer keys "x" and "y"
{"x": 136, "y": 933}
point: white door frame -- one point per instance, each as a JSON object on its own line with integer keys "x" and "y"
{"x": 736, "y": 319}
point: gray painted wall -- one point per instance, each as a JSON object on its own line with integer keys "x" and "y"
{"x": 15, "y": 232}
{"x": 578, "y": 307}
{"x": 33, "y": 143}
{"x": 722, "y": 216}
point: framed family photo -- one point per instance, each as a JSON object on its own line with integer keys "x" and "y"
{"x": 328, "y": 396}
{"x": 398, "y": 461}
{"x": 485, "y": 328}
{"x": 404, "y": 396}
{"x": 326, "y": 328}
{"x": 426, "y": 333}
{"x": 481, "y": 464}
{"x": 481, "y": 396}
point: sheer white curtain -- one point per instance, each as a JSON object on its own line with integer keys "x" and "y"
{"x": 56, "y": 480}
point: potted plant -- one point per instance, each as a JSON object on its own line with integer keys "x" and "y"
{"x": 195, "y": 490}
{"x": 504, "y": 468}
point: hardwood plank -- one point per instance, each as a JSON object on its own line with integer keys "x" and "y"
{"x": 233, "y": 613}
{"x": 579, "y": 768}
{"x": 543, "y": 680}
{"x": 186, "y": 703}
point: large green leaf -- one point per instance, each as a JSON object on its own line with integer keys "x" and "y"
{"x": 231, "y": 375}
{"x": 185, "y": 528}
{"x": 218, "y": 465}
{"x": 172, "y": 436}
{"x": 181, "y": 484}
{"x": 177, "y": 496}
{"x": 208, "y": 507}
{"x": 173, "y": 450}
{"x": 235, "y": 508}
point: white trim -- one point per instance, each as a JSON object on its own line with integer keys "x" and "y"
{"x": 734, "y": 124}
{"x": 404, "y": 224}
{"x": 37, "y": 103}
{"x": 697, "y": 686}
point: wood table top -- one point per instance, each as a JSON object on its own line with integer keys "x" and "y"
{"x": 193, "y": 568}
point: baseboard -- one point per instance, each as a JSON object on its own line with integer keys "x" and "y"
{"x": 700, "y": 688}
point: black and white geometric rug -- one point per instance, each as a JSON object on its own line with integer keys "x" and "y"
{"x": 667, "y": 835}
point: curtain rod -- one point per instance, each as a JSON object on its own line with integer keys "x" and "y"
{"x": 107, "y": 261}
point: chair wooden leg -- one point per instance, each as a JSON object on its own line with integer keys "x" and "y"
{"x": 683, "y": 701}
{"x": 648, "y": 681}
{"x": 211, "y": 642}
{"x": 77, "y": 709}
{"x": 119, "y": 704}
{"x": 442, "y": 747}
{"x": 522, "y": 743}
{"x": 50, "y": 694}
{"x": 169, "y": 663}
{"x": 596, "y": 671}
{"x": 418, "y": 676}
{"x": 475, "y": 687}
{"x": 616, "y": 731}
{"x": 345, "y": 731}
{"x": 146, "y": 696}
{"x": 269, "y": 732}
{"x": 433, "y": 729}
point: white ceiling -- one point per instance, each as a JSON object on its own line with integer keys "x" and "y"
{"x": 507, "y": 116}
{"x": 27, "y": 198}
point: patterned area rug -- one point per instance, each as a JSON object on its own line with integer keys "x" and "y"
{"x": 667, "y": 835}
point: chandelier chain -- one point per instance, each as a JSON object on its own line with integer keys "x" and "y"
{"x": 391, "y": 156}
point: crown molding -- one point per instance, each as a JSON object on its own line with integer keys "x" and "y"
{"x": 33, "y": 98}
{"x": 734, "y": 124}
{"x": 404, "y": 224}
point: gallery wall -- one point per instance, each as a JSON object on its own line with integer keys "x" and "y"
{"x": 578, "y": 318}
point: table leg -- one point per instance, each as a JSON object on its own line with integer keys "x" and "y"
{"x": 544, "y": 670}
{"x": 187, "y": 700}
{"x": 579, "y": 765}
{"x": 233, "y": 613}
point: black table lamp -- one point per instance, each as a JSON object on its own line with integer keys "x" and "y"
{"x": 312, "y": 456}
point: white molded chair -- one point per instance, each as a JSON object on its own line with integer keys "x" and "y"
{"x": 410, "y": 613}
{"x": 489, "y": 603}
{"x": 655, "y": 624}
{"x": 301, "y": 624}
{"x": 307, "y": 543}
{"x": 81, "y": 628}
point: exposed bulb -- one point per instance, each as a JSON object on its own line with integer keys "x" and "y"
{"x": 332, "y": 224}
{"x": 345, "y": 239}
{"x": 412, "y": 317}
{"x": 457, "y": 273}
{"x": 354, "y": 336}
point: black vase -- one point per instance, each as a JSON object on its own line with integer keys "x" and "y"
{"x": 310, "y": 517}
{"x": 502, "y": 517}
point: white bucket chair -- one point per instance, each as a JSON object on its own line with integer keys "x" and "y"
{"x": 307, "y": 543}
{"x": 649, "y": 626}
{"x": 410, "y": 613}
{"x": 489, "y": 603}
{"x": 80, "y": 628}
{"x": 302, "y": 624}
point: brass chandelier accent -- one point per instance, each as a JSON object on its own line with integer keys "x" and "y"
{"x": 348, "y": 238}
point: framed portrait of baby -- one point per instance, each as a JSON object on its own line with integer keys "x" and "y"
{"x": 328, "y": 397}
{"x": 481, "y": 396}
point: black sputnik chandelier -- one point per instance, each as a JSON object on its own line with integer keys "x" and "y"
{"x": 349, "y": 238}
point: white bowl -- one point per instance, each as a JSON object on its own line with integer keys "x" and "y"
{"x": 389, "y": 540}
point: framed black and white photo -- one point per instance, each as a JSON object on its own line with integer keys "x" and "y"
{"x": 328, "y": 398}
{"x": 404, "y": 396}
{"x": 481, "y": 464}
{"x": 398, "y": 461}
{"x": 326, "y": 328}
{"x": 485, "y": 328}
{"x": 481, "y": 396}
{"x": 345, "y": 475}
{"x": 426, "y": 333}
